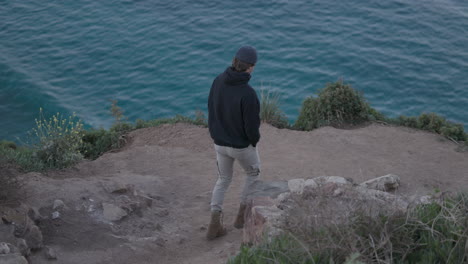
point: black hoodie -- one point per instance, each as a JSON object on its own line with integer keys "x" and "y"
{"x": 233, "y": 110}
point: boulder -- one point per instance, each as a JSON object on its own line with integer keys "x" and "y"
{"x": 387, "y": 183}
{"x": 112, "y": 212}
{"x": 15, "y": 258}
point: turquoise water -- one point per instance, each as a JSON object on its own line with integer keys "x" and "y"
{"x": 158, "y": 58}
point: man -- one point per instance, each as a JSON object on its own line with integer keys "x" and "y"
{"x": 234, "y": 122}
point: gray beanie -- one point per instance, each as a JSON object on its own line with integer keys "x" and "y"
{"x": 247, "y": 54}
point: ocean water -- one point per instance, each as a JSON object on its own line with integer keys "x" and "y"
{"x": 158, "y": 58}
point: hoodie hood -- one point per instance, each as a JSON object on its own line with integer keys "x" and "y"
{"x": 233, "y": 77}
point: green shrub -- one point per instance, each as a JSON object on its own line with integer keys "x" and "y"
{"x": 57, "y": 140}
{"x": 98, "y": 141}
{"x": 270, "y": 111}
{"x": 24, "y": 157}
{"x": 407, "y": 121}
{"x": 337, "y": 104}
{"x": 7, "y": 144}
{"x": 433, "y": 123}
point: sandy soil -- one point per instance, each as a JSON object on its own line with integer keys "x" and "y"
{"x": 175, "y": 165}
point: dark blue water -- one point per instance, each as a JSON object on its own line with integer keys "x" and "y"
{"x": 158, "y": 58}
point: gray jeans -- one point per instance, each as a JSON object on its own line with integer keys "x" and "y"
{"x": 225, "y": 156}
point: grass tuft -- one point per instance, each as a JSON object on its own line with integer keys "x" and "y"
{"x": 270, "y": 111}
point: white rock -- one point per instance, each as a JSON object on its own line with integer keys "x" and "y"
{"x": 331, "y": 179}
{"x": 55, "y": 215}
{"x": 112, "y": 212}
{"x": 385, "y": 183}
{"x": 4, "y": 248}
{"x": 310, "y": 183}
{"x": 296, "y": 186}
{"x": 58, "y": 204}
{"x": 426, "y": 199}
{"x": 283, "y": 197}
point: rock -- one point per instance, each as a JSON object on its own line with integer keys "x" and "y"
{"x": 338, "y": 192}
{"x": 58, "y": 204}
{"x": 426, "y": 199}
{"x": 148, "y": 201}
{"x": 18, "y": 217}
{"x": 112, "y": 212}
{"x": 262, "y": 219}
{"x": 385, "y": 199}
{"x": 50, "y": 253}
{"x": 283, "y": 197}
{"x": 35, "y": 215}
{"x": 55, "y": 215}
{"x": 296, "y": 186}
{"x": 117, "y": 188}
{"x": 33, "y": 237}
{"x": 12, "y": 259}
{"x": 4, "y": 248}
{"x": 389, "y": 182}
{"x": 310, "y": 183}
{"x": 332, "y": 179}
{"x": 23, "y": 247}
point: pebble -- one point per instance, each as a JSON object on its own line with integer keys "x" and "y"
{"x": 4, "y": 248}
{"x": 50, "y": 253}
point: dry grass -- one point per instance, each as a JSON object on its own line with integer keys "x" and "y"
{"x": 327, "y": 229}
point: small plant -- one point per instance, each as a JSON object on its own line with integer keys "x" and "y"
{"x": 120, "y": 121}
{"x": 337, "y": 104}
{"x": 200, "y": 118}
{"x": 58, "y": 140}
{"x": 270, "y": 111}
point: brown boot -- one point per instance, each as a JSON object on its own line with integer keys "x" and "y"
{"x": 239, "y": 223}
{"x": 216, "y": 228}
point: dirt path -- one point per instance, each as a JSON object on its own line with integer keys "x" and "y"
{"x": 175, "y": 166}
